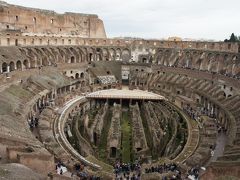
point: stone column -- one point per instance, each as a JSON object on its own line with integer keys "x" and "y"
{"x": 8, "y": 68}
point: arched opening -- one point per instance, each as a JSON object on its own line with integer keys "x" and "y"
{"x": 44, "y": 61}
{"x": 4, "y": 67}
{"x": 26, "y": 64}
{"x": 12, "y": 66}
{"x": 76, "y": 75}
{"x": 72, "y": 59}
{"x": 90, "y": 56}
{"x": 95, "y": 138}
{"x": 113, "y": 152}
{"x": 16, "y": 42}
{"x": 82, "y": 75}
{"x": 126, "y": 55}
{"x": 144, "y": 60}
{"x": 19, "y": 65}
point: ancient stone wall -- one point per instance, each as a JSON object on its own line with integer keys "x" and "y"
{"x": 38, "y": 21}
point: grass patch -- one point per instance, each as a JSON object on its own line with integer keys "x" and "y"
{"x": 4, "y": 172}
{"x": 126, "y": 137}
{"x": 102, "y": 153}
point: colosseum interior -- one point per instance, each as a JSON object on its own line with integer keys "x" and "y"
{"x": 75, "y": 104}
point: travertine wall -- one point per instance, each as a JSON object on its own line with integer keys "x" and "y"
{"x": 37, "y": 21}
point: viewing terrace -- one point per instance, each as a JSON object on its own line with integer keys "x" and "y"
{"x": 125, "y": 94}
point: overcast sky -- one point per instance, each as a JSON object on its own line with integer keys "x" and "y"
{"x": 208, "y": 19}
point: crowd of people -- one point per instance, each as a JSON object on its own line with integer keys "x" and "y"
{"x": 188, "y": 110}
{"x": 110, "y": 79}
{"x": 194, "y": 114}
{"x": 79, "y": 172}
{"x": 33, "y": 122}
{"x": 127, "y": 171}
{"x": 165, "y": 168}
{"x": 193, "y": 173}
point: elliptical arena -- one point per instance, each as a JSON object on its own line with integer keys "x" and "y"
{"x": 75, "y": 104}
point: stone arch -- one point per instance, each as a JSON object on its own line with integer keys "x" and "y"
{"x": 118, "y": 54}
{"x": 11, "y": 66}
{"x": 195, "y": 57}
{"x": 77, "y": 76}
{"x": 33, "y": 62}
{"x": 25, "y": 64}
{"x": 76, "y": 55}
{"x": 214, "y": 63}
{"x": 99, "y": 54}
{"x": 19, "y": 65}
{"x": 198, "y": 61}
{"x": 204, "y": 62}
{"x": 44, "y": 61}
{"x": 126, "y": 55}
{"x": 165, "y": 59}
{"x": 220, "y": 63}
{"x": 159, "y": 57}
{"x": 72, "y": 59}
{"x": 189, "y": 60}
{"x": 34, "y": 58}
{"x": 82, "y": 55}
{"x": 105, "y": 54}
{"x": 4, "y": 67}
{"x": 82, "y": 75}
{"x": 62, "y": 56}
{"x": 223, "y": 70}
{"x": 112, "y": 54}
{"x": 49, "y": 55}
{"x": 91, "y": 54}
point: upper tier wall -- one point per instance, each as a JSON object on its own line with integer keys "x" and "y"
{"x": 14, "y": 38}
{"x": 37, "y": 21}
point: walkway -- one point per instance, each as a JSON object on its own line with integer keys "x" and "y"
{"x": 59, "y": 132}
{"x": 125, "y": 94}
{"x": 220, "y": 144}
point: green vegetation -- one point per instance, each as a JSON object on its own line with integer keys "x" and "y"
{"x": 126, "y": 137}
{"x": 147, "y": 131}
{"x": 4, "y": 173}
{"x": 91, "y": 115}
{"x": 74, "y": 140}
{"x": 233, "y": 38}
{"x": 102, "y": 153}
